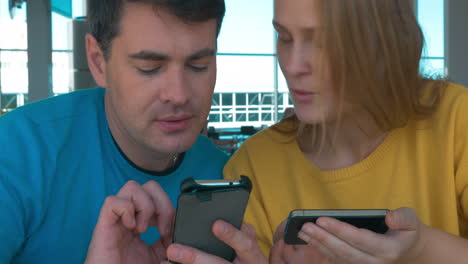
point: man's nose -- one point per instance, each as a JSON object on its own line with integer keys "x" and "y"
{"x": 176, "y": 89}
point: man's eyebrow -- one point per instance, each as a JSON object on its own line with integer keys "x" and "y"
{"x": 149, "y": 55}
{"x": 207, "y": 52}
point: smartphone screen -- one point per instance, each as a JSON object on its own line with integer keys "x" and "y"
{"x": 201, "y": 203}
{"x": 371, "y": 219}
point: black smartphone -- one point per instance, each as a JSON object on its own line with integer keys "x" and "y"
{"x": 201, "y": 203}
{"x": 371, "y": 219}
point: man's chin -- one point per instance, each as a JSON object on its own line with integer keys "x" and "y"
{"x": 177, "y": 144}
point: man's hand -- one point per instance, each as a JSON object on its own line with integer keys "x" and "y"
{"x": 116, "y": 237}
{"x": 244, "y": 242}
{"x": 333, "y": 241}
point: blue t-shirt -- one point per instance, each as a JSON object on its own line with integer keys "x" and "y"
{"x": 58, "y": 163}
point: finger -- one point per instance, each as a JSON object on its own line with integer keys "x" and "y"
{"x": 341, "y": 249}
{"x": 315, "y": 247}
{"x": 187, "y": 255}
{"x": 360, "y": 238}
{"x": 143, "y": 204}
{"x": 159, "y": 250}
{"x": 309, "y": 254}
{"x": 115, "y": 209}
{"x": 243, "y": 242}
{"x": 279, "y": 232}
{"x": 164, "y": 210}
{"x": 402, "y": 219}
{"x": 277, "y": 253}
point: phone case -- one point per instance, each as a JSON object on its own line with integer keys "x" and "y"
{"x": 358, "y": 218}
{"x": 199, "y": 206}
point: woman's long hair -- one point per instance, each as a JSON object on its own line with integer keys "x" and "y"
{"x": 374, "y": 49}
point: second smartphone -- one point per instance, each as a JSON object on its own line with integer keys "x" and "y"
{"x": 371, "y": 219}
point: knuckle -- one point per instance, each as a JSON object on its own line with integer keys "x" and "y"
{"x": 246, "y": 245}
{"x": 131, "y": 185}
{"x": 130, "y": 207}
{"x": 191, "y": 257}
{"x": 322, "y": 239}
{"x": 110, "y": 200}
{"x": 346, "y": 253}
{"x": 153, "y": 185}
{"x": 171, "y": 212}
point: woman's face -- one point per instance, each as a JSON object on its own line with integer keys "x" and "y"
{"x": 302, "y": 60}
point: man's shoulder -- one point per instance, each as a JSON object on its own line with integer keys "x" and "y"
{"x": 51, "y": 122}
{"x": 58, "y": 107}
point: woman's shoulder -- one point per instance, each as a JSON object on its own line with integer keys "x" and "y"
{"x": 454, "y": 99}
{"x": 451, "y": 112}
{"x": 280, "y": 133}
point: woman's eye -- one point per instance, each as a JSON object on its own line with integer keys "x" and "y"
{"x": 284, "y": 39}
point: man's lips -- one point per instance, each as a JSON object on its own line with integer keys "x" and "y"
{"x": 175, "y": 123}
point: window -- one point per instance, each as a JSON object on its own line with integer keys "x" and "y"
{"x": 431, "y": 18}
{"x": 246, "y": 65}
{"x": 250, "y": 89}
{"x": 14, "y": 57}
{"x": 248, "y": 69}
{"x": 62, "y": 56}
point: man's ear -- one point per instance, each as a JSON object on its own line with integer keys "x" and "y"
{"x": 96, "y": 61}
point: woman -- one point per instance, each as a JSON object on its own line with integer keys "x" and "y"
{"x": 368, "y": 133}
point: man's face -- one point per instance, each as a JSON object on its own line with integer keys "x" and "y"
{"x": 160, "y": 77}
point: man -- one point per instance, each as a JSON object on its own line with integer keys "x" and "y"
{"x": 137, "y": 137}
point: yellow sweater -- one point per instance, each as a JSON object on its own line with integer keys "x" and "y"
{"x": 423, "y": 165}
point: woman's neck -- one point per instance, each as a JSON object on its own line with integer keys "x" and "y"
{"x": 343, "y": 146}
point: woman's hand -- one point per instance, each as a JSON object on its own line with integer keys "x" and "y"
{"x": 343, "y": 243}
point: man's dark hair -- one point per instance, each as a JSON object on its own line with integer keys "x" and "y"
{"x": 104, "y": 16}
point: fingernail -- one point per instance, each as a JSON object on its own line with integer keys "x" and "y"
{"x": 222, "y": 227}
{"x": 303, "y": 236}
{"x": 307, "y": 229}
{"x": 176, "y": 252}
{"x": 323, "y": 223}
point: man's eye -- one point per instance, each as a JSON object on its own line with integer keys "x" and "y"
{"x": 198, "y": 67}
{"x": 149, "y": 71}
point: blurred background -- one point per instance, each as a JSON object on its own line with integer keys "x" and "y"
{"x": 251, "y": 91}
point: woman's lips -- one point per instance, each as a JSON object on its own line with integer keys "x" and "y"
{"x": 302, "y": 96}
